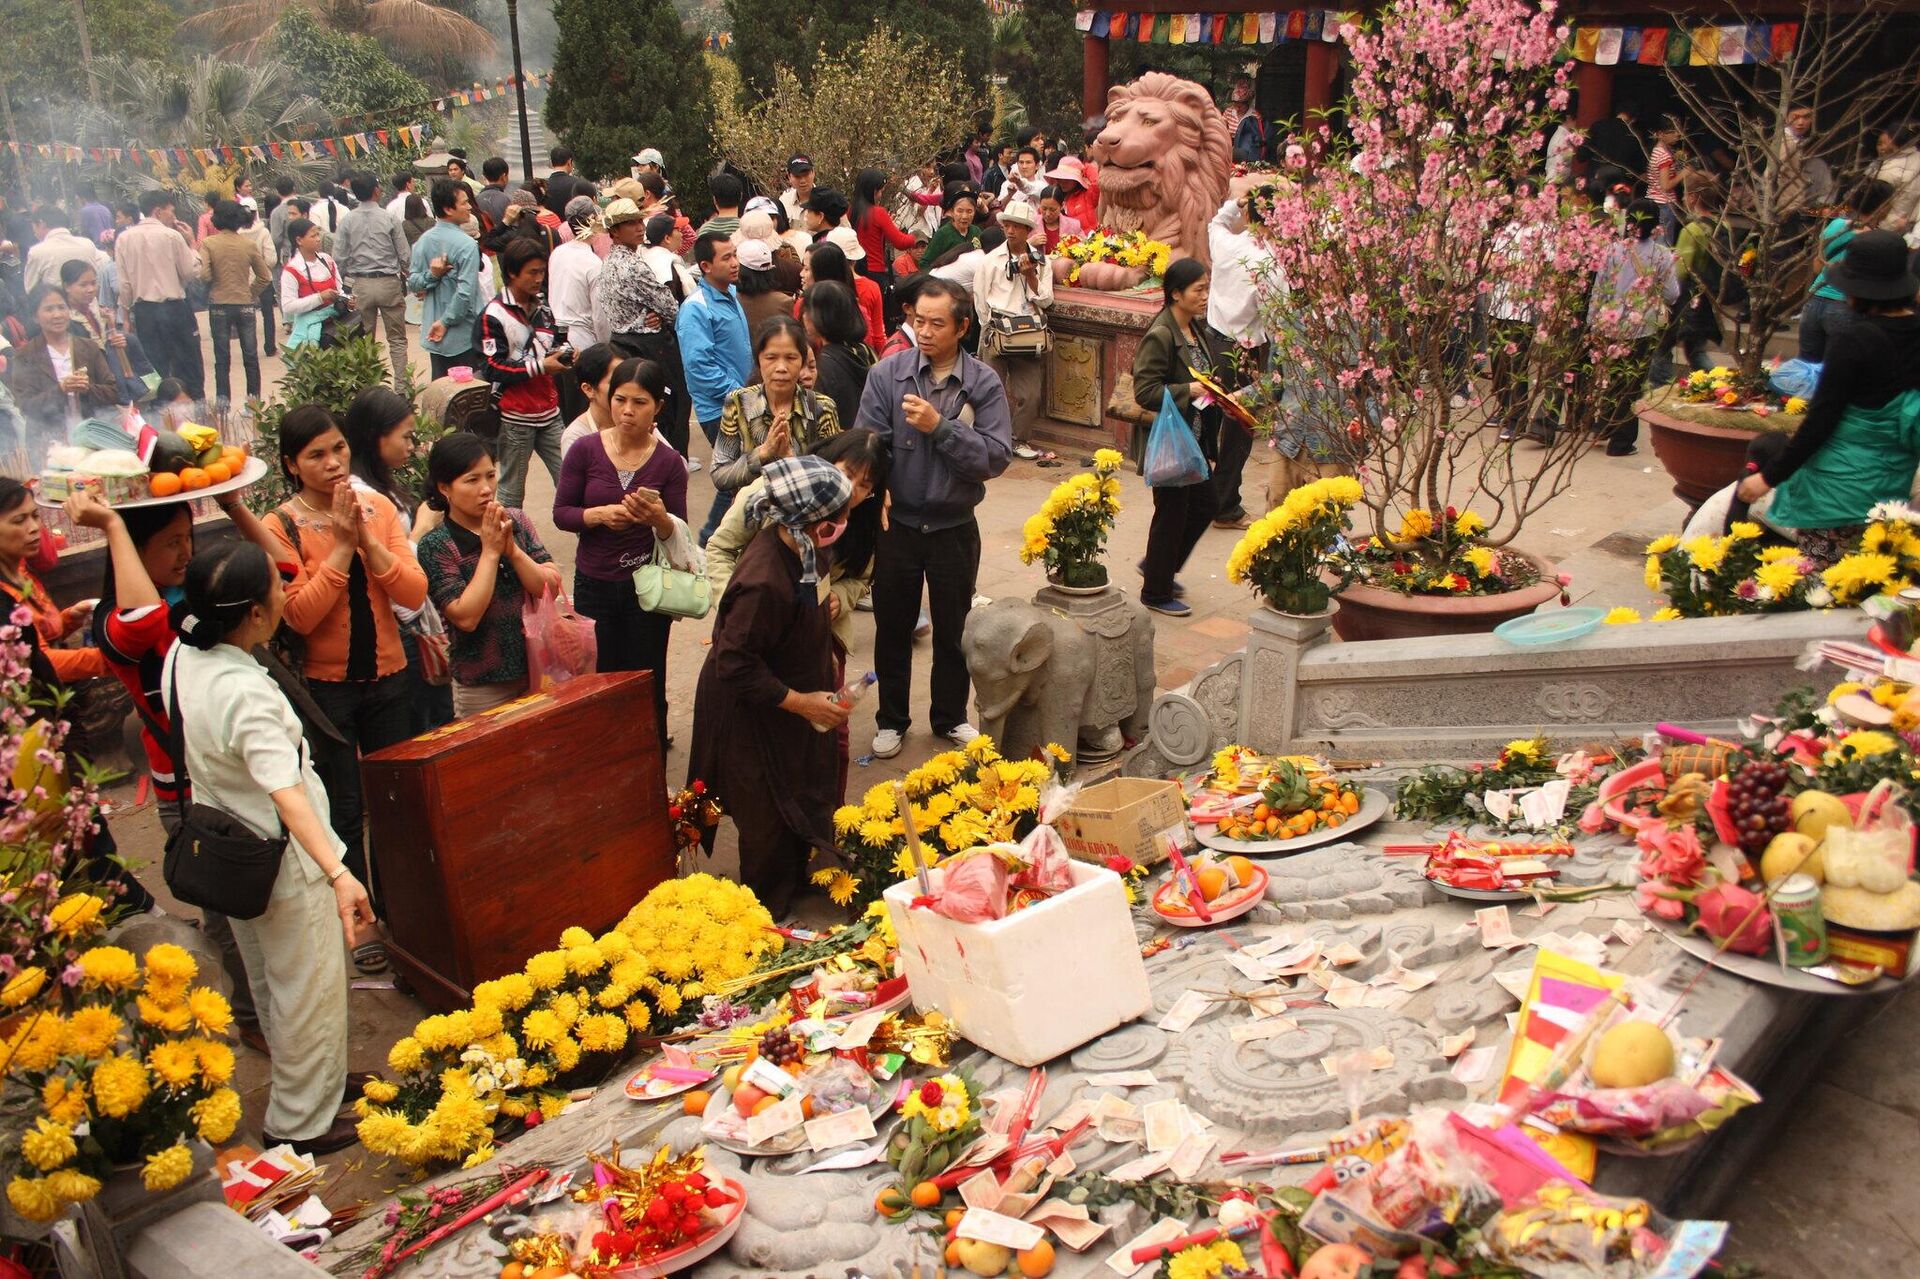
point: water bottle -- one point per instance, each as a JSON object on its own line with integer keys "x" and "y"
{"x": 850, "y": 693}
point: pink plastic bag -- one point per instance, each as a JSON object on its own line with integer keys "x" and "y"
{"x": 560, "y": 642}
{"x": 974, "y": 888}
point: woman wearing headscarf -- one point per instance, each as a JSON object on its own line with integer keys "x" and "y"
{"x": 765, "y": 711}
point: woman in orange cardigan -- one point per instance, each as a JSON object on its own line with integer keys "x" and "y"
{"x": 19, "y": 542}
{"x": 355, "y": 563}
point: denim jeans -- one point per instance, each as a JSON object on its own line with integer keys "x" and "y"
{"x": 722, "y": 503}
{"x": 233, "y": 320}
{"x": 1822, "y": 320}
{"x": 517, "y": 446}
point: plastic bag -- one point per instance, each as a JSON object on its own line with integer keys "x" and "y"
{"x": 1795, "y": 377}
{"x": 561, "y": 643}
{"x": 1048, "y": 863}
{"x": 1173, "y": 451}
{"x": 974, "y": 888}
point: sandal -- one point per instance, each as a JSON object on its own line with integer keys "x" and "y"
{"x": 370, "y": 958}
{"x": 1026, "y": 452}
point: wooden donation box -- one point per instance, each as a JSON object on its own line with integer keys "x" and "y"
{"x": 493, "y": 834}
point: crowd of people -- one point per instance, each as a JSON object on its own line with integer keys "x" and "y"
{"x": 862, "y": 364}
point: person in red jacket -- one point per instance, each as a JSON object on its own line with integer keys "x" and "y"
{"x": 875, "y": 226}
{"x": 523, "y": 352}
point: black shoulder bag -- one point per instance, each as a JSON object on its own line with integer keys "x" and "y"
{"x": 214, "y": 860}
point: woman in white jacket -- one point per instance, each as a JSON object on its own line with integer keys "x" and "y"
{"x": 245, "y": 756}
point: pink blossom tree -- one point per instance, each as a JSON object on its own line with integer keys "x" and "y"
{"x": 1387, "y": 248}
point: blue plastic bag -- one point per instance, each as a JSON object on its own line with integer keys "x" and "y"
{"x": 1795, "y": 377}
{"x": 1173, "y": 452}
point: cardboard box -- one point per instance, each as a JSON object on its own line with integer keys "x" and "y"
{"x": 1040, "y": 982}
{"x": 1131, "y": 816}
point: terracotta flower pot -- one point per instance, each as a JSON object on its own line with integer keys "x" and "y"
{"x": 1702, "y": 459}
{"x": 1370, "y": 613}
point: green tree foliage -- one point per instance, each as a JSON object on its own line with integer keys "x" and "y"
{"x": 1038, "y": 53}
{"x": 347, "y": 72}
{"x": 43, "y": 48}
{"x": 807, "y": 28}
{"x": 627, "y": 75}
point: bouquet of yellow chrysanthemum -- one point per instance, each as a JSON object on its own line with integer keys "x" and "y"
{"x": 1741, "y": 573}
{"x": 961, "y": 799}
{"x": 1283, "y": 555}
{"x": 1069, "y": 531}
{"x": 508, "y": 1055}
{"x": 1123, "y": 248}
{"x": 134, "y": 1070}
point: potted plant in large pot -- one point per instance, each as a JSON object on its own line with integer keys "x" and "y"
{"x": 1069, "y": 531}
{"x": 1399, "y": 235}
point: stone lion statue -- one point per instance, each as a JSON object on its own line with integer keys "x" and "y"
{"x": 1165, "y": 160}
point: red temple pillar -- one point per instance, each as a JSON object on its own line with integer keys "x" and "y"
{"x": 1093, "y": 77}
{"x": 1595, "y": 84}
{"x": 1323, "y": 63}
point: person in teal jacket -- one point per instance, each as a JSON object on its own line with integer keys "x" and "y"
{"x": 1859, "y": 444}
{"x": 445, "y": 271}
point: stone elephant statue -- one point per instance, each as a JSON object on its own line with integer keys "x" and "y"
{"x": 1043, "y": 675}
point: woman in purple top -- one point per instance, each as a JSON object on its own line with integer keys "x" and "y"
{"x": 620, "y": 490}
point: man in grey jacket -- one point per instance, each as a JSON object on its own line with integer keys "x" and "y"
{"x": 945, "y": 414}
{"x": 372, "y": 250}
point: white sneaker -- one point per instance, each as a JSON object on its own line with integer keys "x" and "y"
{"x": 962, "y": 733}
{"x": 886, "y": 743}
{"x": 981, "y": 601}
{"x": 1025, "y": 452}
{"x": 693, "y": 464}
{"x": 924, "y": 627}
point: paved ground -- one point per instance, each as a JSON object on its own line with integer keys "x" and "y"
{"x": 1852, "y": 1217}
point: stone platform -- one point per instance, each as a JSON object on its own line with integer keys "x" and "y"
{"x": 1260, "y": 1094}
{"x": 1094, "y": 338}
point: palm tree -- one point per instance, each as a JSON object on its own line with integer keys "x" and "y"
{"x": 419, "y": 27}
{"x": 205, "y": 101}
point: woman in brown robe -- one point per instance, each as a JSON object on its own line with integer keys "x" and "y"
{"x": 765, "y": 709}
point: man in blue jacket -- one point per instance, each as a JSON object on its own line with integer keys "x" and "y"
{"x": 445, "y": 271}
{"x": 712, "y": 332}
{"x": 945, "y": 414}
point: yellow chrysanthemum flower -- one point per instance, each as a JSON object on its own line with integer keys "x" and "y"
{"x": 1779, "y": 577}
{"x": 1667, "y": 614}
{"x": 1469, "y": 524}
{"x": 840, "y": 886}
{"x": 1707, "y": 553}
{"x": 1862, "y": 745}
{"x": 32, "y": 1198}
{"x": 173, "y": 1062}
{"x": 575, "y": 936}
{"x": 1481, "y": 559}
{"x": 1109, "y": 459}
{"x": 1662, "y": 544}
{"x": 65, "y": 1101}
{"x": 1778, "y": 554}
{"x": 1652, "y": 575}
{"x": 168, "y": 962}
{"x": 547, "y": 969}
{"x": 1743, "y": 530}
{"x": 216, "y": 1060}
{"x": 71, "y": 1186}
{"x": 211, "y": 1013}
{"x": 1859, "y": 575}
{"x": 108, "y": 968}
{"x": 120, "y": 1085}
{"x": 170, "y": 1017}
{"x": 92, "y": 1030}
{"x": 602, "y": 1033}
{"x": 47, "y": 1144}
{"x": 1414, "y": 525}
{"x": 23, "y": 986}
{"x": 167, "y": 1169}
{"x": 75, "y": 914}
{"x": 1621, "y": 616}
{"x": 406, "y": 1055}
{"x": 218, "y": 1113}
{"x": 541, "y": 1028}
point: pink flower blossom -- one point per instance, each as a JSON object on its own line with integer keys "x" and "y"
{"x": 1672, "y": 855}
{"x": 1650, "y": 902}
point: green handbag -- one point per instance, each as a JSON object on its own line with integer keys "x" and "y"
{"x": 677, "y": 592}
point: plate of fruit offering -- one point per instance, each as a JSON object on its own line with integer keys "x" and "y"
{"x": 1298, "y": 806}
{"x": 668, "y": 1075}
{"x": 784, "y": 1069}
{"x": 1228, "y": 886}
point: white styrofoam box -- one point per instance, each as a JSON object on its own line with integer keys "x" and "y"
{"x": 1040, "y": 982}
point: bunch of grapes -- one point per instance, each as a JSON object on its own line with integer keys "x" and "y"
{"x": 1759, "y": 808}
{"x": 781, "y": 1047}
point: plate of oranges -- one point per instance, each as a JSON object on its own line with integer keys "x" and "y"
{"x": 1230, "y": 886}
{"x": 1338, "y": 813}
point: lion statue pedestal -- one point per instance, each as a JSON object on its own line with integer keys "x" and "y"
{"x": 1072, "y": 668}
{"x": 1165, "y": 160}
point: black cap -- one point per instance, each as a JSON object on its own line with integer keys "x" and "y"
{"x": 1875, "y": 269}
{"x": 799, "y": 164}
